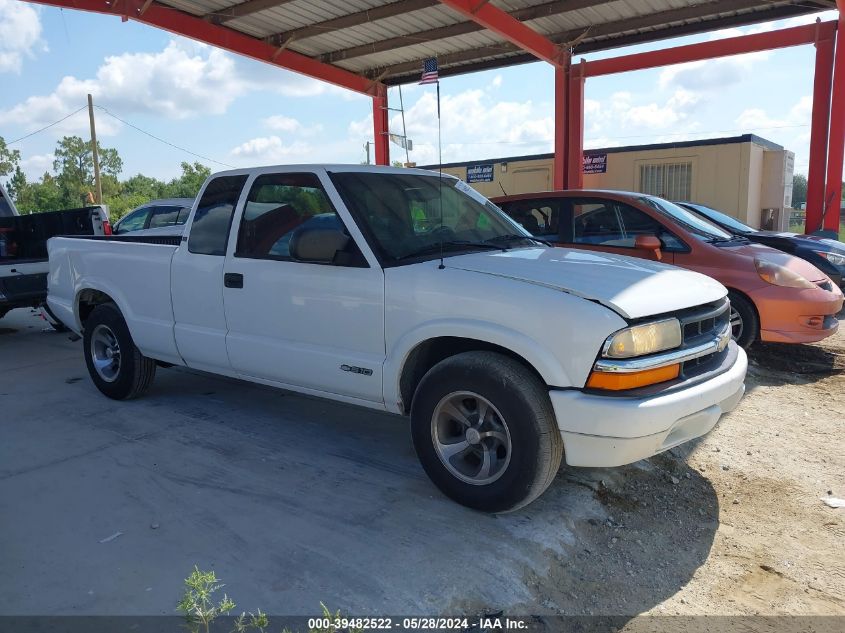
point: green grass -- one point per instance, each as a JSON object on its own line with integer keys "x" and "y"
{"x": 798, "y": 227}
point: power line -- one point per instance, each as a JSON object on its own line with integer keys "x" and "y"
{"x": 46, "y": 127}
{"x": 161, "y": 140}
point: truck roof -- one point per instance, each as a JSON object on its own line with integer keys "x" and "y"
{"x": 336, "y": 167}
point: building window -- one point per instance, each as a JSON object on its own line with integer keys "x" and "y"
{"x": 672, "y": 181}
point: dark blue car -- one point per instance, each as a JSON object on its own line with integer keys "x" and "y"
{"x": 825, "y": 254}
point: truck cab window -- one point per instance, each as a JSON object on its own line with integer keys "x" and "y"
{"x": 213, "y": 217}
{"x": 277, "y": 206}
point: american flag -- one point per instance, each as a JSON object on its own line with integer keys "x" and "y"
{"x": 429, "y": 74}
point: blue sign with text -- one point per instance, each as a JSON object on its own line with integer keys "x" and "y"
{"x": 480, "y": 173}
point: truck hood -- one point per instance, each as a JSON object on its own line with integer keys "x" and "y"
{"x": 634, "y": 288}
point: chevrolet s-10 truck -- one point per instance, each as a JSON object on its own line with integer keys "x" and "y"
{"x": 408, "y": 292}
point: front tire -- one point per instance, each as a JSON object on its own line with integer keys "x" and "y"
{"x": 745, "y": 325}
{"x": 485, "y": 432}
{"x": 115, "y": 365}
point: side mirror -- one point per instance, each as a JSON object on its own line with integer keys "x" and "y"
{"x": 648, "y": 243}
{"x": 317, "y": 245}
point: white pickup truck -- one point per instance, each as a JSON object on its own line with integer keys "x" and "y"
{"x": 409, "y": 292}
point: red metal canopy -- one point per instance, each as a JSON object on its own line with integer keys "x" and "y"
{"x": 365, "y": 45}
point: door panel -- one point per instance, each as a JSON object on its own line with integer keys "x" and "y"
{"x": 196, "y": 278}
{"x": 312, "y": 325}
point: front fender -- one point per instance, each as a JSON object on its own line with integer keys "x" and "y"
{"x": 532, "y": 351}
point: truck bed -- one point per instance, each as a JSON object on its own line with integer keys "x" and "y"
{"x": 133, "y": 271}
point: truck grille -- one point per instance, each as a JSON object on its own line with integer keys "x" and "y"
{"x": 700, "y": 325}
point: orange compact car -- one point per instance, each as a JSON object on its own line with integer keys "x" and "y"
{"x": 774, "y": 296}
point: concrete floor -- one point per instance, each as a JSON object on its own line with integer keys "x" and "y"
{"x": 291, "y": 500}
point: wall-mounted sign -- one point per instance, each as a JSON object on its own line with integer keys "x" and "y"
{"x": 595, "y": 163}
{"x": 480, "y": 173}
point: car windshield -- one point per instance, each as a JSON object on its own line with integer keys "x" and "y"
{"x": 721, "y": 218}
{"x": 698, "y": 226}
{"x": 409, "y": 215}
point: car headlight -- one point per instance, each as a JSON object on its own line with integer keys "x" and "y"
{"x": 834, "y": 258}
{"x": 647, "y": 338}
{"x": 778, "y": 275}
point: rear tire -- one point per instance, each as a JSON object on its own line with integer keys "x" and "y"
{"x": 745, "y": 324}
{"x": 115, "y": 365}
{"x": 485, "y": 431}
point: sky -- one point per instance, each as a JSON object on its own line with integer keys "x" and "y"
{"x": 204, "y": 104}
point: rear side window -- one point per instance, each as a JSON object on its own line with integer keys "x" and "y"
{"x": 164, "y": 216}
{"x": 213, "y": 217}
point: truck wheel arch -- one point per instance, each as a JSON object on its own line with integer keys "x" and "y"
{"x": 426, "y": 354}
{"x": 88, "y": 299}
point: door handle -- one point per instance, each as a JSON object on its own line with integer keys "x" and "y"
{"x": 233, "y": 280}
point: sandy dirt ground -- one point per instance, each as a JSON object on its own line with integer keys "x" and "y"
{"x": 735, "y": 523}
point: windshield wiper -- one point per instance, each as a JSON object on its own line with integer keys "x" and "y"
{"x": 723, "y": 240}
{"x": 512, "y": 237}
{"x": 451, "y": 245}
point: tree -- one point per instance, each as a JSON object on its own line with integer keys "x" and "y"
{"x": 9, "y": 158}
{"x": 189, "y": 183}
{"x": 74, "y": 166}
{"x": 799, "y": 190}
{"x": 17, "y": 183}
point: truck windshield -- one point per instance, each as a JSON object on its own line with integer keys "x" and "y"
{"x": 407, "y": 215}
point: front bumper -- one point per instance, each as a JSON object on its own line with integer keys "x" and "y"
{"x": 602, "y": 430}
{"x": 784, "y": 313}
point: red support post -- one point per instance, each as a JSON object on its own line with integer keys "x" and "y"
{"x": 575, "y": 128}
{"x": 819, "y": 131}
{"x": 380, "y": 128}
{"x": 560, "y": 130}
{"x": 836, "y": 142}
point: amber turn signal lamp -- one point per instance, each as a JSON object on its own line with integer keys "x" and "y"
{"x": 620, "y": 381}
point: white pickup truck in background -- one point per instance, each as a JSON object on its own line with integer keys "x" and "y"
{"x": 407, "y": 292}
{"x": 23, "y": 248}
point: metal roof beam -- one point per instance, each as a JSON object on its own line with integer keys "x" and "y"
{"x": 221, "y": 16}
{"x": 461, "y": 28}
{"x": 725, "y": 47}
{"x": 228, "y": 39}
{"x": 352, "y": 19}
{"x": 398, "y": 73}
{"x": 508, "y": 27}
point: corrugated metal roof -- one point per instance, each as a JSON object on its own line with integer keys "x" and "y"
{"x": 389, "y": 39}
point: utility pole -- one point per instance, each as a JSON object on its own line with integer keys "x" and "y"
{"x": 404, "y": 130}
{"x": 367, "y": 147}
{"x": 97, "y": 183}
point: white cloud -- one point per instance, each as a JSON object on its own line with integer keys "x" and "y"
{"x": 282, "y": 123}
{"x": 20, "y": 33}
{"x": 269, "y": 150}
{"x": 35, "y": 165}
{"x": 185, "y": 79}
{"x": 474, "y": 125}
{"x": 177, "y": 82}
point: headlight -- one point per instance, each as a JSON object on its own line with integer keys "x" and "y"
{"x": 834, "y": 258}
{"x": 780, "y": 275}
{"x": 647, "y": 338}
